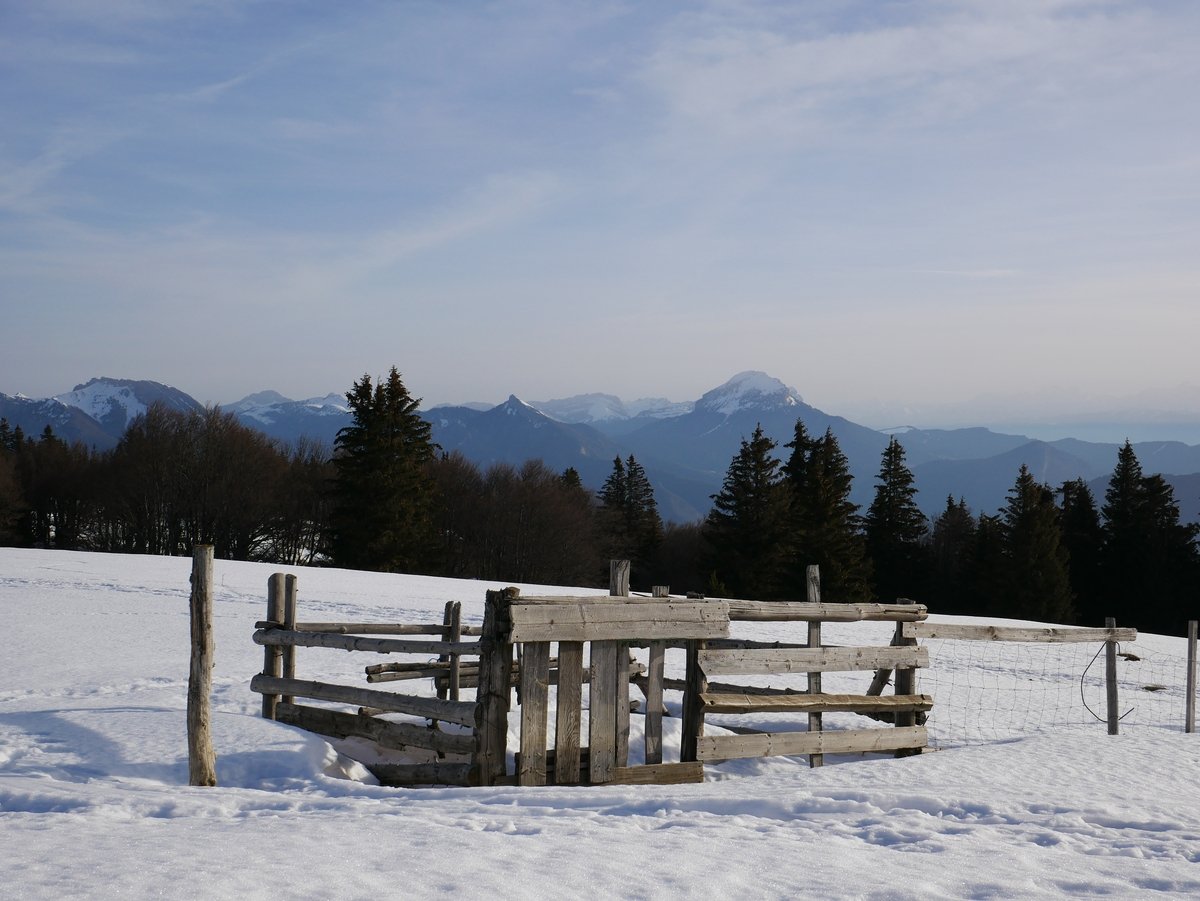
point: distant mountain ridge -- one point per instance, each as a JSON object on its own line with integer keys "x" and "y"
{"x": 685, "y": 447}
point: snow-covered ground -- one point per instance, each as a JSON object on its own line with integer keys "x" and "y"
{"x": 94, "y": 800}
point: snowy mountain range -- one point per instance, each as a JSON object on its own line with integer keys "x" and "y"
{"x": 685, "y": 447}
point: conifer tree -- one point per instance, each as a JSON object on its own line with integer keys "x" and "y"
{"x": 746, "y": 532}
{"x": 1039, "y": 587}
{"x": 628, "y": 515}
{"x": 950, "y": 558}
{"x": 382, "y": 497}
{"x": 825, "y": 526}
{"x": 1150, "y": 562}
{"x": 987, "y": 576}
{"x": 896, "y": 530}
{"x": 1083, "y": 538}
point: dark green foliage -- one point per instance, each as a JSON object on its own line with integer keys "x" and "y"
{"x": 630, "y": 527}
{"x": 1038, "y": 586}
{"x": 987, "y": 579}
{"x": 1083, "y": 537}
{"x": 896, "y": 530}
{"x": 1149, "y": 565}
{"x": 382, "y": 512}
{"x": 951, "y": 556}
{"x": 746, "y": 532}
{"x": 824, "y": 526}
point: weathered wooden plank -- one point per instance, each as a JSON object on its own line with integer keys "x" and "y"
{"x": 618, "y": 631}
{"x": 659, "y": 774}
{"x": 695, "y": 685}
{"x": 490, "y": 762}
{"x": 771, "y": 744}
{"x": 202, "y": 758}
{"x": 654, "y": 703}
{"x": 621, "y": 757}
{"x": 460, "y": 712}
{"x": 273, "y": 655}
{"x": 602, "y": 731}
{"x": 906, "y": 681}
{"x": 371, "y": 628}
{"x": 800, "y": 611}
{"x": 665, "y": 611}
{"x": 455, "y": 637}
{"x": 289, "y": 622}
{"x": 568, "y": 716}
{"x": 1049, "y": 635}
{"x": 588, "y": 599}
{"x": 403, "y": 774}
{"x": 766, "y": 661}
{"x": 398, "y": 736}
{"x": 535, "y": 694}
{"x": 292, "y": 637}
{"x": 740, "y": 702}
{"x": 813, "y": 588}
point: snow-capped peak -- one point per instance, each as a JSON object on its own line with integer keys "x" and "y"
{"x": 751, "y": 390}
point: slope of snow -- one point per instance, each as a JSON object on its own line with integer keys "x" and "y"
{"x": 94, "y": 798}
{"x": 748, "y": 391}
{"x": 102, "y": 399}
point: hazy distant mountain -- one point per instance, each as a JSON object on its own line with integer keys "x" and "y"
{"x": 685, "y": 447}
{"x": 318, "y": 418}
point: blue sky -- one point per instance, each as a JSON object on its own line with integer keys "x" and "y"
{"x": 947, "y": 212}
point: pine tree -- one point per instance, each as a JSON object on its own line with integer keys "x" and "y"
{"x": 382, "y": 516}
{"x": 746, "y": 532}
{"x": 987, "y": 575}
{"x": 896, "y": 530}
{"x": 1149, "y": 563}
{"x": 628, "y": 515}
{"x": 1083, "y": 537}
{"x": 825, "y": 526}
{"x": 1039, "y": 587}
{"x": 951, "y": 549}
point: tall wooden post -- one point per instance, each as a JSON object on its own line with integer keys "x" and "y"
{"x": 1189, "y": 720}
{"x": 273, "y": 654}
{"x": 813, "y": 596}
{"x": 906, "y": 681}
{"x": 289, "y": 623}
{"x": 202, "y": 759}
{"x": 654, "y": 690}
{"x": 1110, "y": 678}
{"x": 489, "y": 763}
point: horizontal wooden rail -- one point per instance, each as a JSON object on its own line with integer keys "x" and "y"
{"x": 767, "y": 661}
{"x": 1052, "y": 635}
{"x": 397, "y": 736}
{"x": 460, "y": 712}
{"x": 797, "y": 702}
{"x": 802, "y": 611}
{"x": 439, "y": 773}
{"x": 769, "y": 744}
{"x": 373, "y": 628}
{"x": 617, "y": 622}
{"x": 292, "y": 638}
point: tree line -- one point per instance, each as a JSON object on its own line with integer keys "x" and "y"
{"x": 386, "y": 498}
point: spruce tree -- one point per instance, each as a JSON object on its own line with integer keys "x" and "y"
{"x": 896, "y": 530}
{"x": 1083, "y": 537}
{"x": 826, "y": 528}
{"x": 950, "y": 558}
{"x": 629, "y": 521}
{"x": 1038, "y": 584}
{"x": 1149, "y": 563}
{"x": 382, "y": 517}
{"x": 746, "y": 531}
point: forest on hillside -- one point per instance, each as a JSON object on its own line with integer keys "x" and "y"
{"x": 386, "y": 498}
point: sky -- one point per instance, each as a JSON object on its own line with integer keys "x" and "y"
{"x": 933, "y": 212}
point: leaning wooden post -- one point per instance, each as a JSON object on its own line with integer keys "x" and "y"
{"x": 489, "y": 764}
{"x": 273, "y": 654}
{"x": 202, "y": 759}
{"x": 1189, "y": 720}
{"x": 1110, "y": 678}
{"x": 813, "y": 596}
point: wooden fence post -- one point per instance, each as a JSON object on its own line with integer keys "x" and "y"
{"x": 813, "y": 596}
{"x": 202, "y": 759}
{"x": 489, "y": 763}
{"x": 906, "y": 681}
{"x": 273, "y": 654}
{"x": 1189, "y": 720}
{"x": 289, "y": 623}
{"x": 1110, "y": 678}
{"x": 654, "y": 690}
